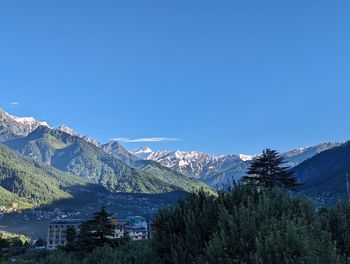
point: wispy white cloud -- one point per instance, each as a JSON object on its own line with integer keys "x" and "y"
{"x": 143, "y": 140}
{"x": 14, "y": 103}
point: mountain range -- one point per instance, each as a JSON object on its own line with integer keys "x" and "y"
{"x": 74, "y": 155}
{"x": 217, "y": 171}
{"x": 64, "y": 158}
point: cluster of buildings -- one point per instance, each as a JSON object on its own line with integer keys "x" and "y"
{"x": 134, "y": 227}
{"x": 13, "y": 208}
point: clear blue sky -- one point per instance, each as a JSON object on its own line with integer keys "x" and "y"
{"x": 222, "y": 76}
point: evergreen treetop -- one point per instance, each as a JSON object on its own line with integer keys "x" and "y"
{"x": 269, "y": 171}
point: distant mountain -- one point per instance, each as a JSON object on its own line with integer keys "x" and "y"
{"x": 142, "y": 153}
{"x": 151, "y": 167}
{"x": 217, "y": 171}
{"x": 72, "y": 132}
{"x": 297, "y": 156}
{"x": 30, "y": 183}
{"x": 119, "y": 170}
{"x": 11, "y": 126}
{"x": 73, "y": 154}
{"x": 193, "y": 164}
{"x": 117, "y": 150}
{"x": 324, "y": 175}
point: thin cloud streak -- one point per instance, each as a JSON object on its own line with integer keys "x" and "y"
{"x": 14, "y": 103}
{"x": 144, "y": 140}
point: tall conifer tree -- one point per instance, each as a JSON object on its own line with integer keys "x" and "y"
{"x": 269, "y": 171}
{"x": 101, "y": 227}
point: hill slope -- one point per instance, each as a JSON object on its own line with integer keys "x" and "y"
{"x": 324, "y": 175}
{"x": 23, "y": 180}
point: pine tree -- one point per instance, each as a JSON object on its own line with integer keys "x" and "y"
{"x": 71, "y": 235}
{"x": 101, "y": 227}
{"x": 85, "y": 241}
{"x": 268, "y": 171}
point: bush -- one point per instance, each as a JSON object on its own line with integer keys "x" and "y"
{"x": 243, "y": 226}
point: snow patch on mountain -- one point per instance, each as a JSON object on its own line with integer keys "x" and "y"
{"x": 142, "y": 153}
{"x": 299, "y": 155}
{"x": 194, "y": 164}
{"x": 72, "y": 132}
{"x": 219, "y": 170}
{"x": 244, "y": 157}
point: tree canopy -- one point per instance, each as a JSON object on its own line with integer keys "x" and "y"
{"x": 268, "y": 170}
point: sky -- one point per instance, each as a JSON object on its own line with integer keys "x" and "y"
{"x": 222, "y": 77}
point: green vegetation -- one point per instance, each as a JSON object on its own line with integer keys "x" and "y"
{"x": 7, "y": 199}
{"x": 126, "y": 252}
{"x": 29, "y": 182}
{"x": 94, "y": 233}
{"x": 12, "y": 245}
{"x": 32, "y": 184}
{"x": 11, "y": 237}
{"x": 242, "y": 225}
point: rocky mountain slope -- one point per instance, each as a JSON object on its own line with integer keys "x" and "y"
{"x": 192, "y": 164}
{"x": 19, "y": 126}
{"x": 72, "y": 132}
{"x": 117, "y": 150}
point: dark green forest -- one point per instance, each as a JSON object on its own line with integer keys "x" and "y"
{"x": 241, "y": 225}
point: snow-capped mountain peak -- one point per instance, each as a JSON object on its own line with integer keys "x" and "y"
{"x": 67, "y": 130}
{"x": 142, "y": 151}
{"x": 29, "y": 121}
{"x": 190, "y": 163}
{"x": 218, "y": 170}
{"x": 20, "y": 126}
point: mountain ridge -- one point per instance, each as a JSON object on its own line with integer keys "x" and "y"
{"x": 116, "y": 168}
{"x": 77, "y": 156}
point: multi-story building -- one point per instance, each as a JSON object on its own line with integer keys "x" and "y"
{"x": 138, "y": 233}
{"x": 134, "y": 227}
{"x": 56, "y": 235}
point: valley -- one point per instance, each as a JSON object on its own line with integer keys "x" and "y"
{"x": 49, "y": 173}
